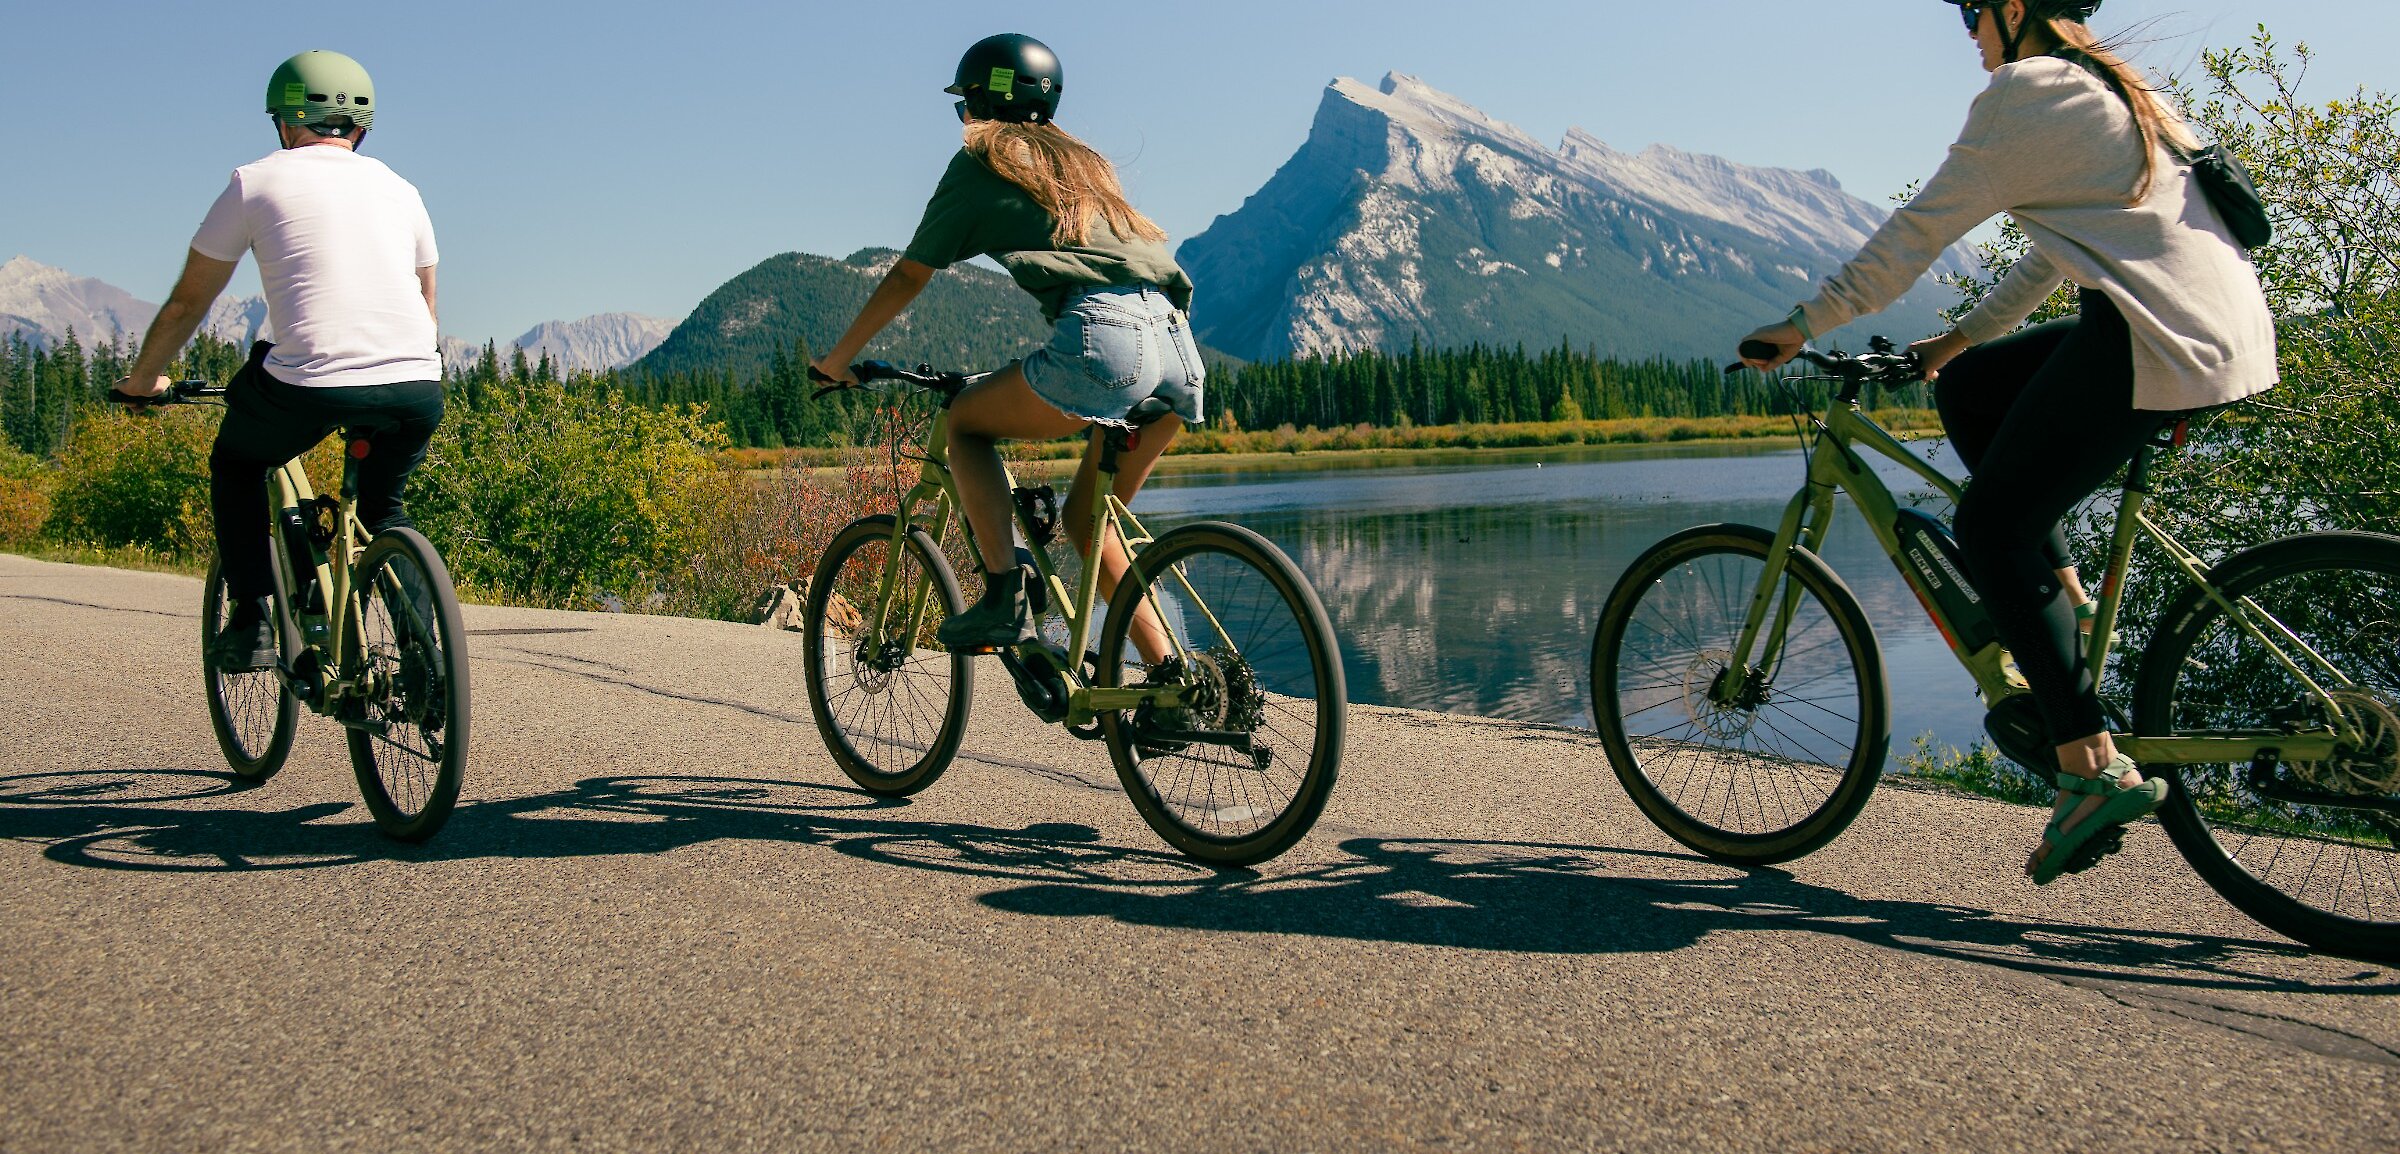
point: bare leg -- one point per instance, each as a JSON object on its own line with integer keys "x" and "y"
{"x": 1001, "y": 406}
{"x": 1133, "y": 468}
{"x": 2072, "y": 582}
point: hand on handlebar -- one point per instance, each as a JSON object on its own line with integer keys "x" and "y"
{"x": 1934, "y": 352}
{"x": 830, "y": 371}
{"x": 125, "y": 387}
{"x": 1782, "y": 336}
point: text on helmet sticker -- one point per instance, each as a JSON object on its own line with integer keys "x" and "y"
{"x": 1004, "y": 82}
{"x": 295, "y": 94}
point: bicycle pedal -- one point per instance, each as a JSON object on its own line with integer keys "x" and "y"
{"x": 2088, "y": 854}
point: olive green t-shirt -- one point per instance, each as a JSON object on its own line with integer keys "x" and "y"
{"x": 975, "y": 212}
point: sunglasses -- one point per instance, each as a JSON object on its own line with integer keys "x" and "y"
{"x": 1972, "y": 14}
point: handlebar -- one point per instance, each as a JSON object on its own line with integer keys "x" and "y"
{"x": 179, "y": 393}
{"x": 948, "y": 384}
{"x": 1882, "y": 366}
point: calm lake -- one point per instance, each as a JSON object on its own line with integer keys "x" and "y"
{"x": 1475, "y": 587}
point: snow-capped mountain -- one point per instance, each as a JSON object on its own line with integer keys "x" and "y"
{"x": 42, "y": 303}
{"x": 1409, "y": 214}
{"x": 605, "y": 341}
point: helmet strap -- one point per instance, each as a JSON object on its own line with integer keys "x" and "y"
{"x": 2012, "y": 39}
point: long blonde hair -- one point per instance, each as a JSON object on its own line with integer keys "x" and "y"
{"x": 2157, "y": 122}
{"x": 1071, "y": 182}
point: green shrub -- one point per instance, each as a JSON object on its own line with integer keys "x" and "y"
{"x": 1983, "y": 771}
{"x": 545, "y": 496}
{"x": 127, "y": 480}
{"x": 24, "y": 497}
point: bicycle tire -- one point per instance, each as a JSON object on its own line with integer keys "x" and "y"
{"x": 254, "y": 715}
{"x": 1261, "y": 676}
{"x": 419, "y": 655}
{"x": 2196, "y": 675}
{"x": 1765, "y": 840}
{"x": 935, "y": 744}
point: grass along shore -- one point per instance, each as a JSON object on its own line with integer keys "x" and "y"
{"x": 1368, "y": 439}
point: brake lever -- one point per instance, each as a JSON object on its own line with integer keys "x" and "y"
{"x": 831, "y": 385}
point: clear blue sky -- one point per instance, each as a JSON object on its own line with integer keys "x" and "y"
{"x": 603, "y": 156}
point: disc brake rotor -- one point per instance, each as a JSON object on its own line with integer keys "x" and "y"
{"x": 1719, "y": 722}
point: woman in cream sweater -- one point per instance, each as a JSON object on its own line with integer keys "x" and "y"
{"x": 2070, "y": 141}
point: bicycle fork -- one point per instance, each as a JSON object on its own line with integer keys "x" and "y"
{"x": 1743, "y": 682}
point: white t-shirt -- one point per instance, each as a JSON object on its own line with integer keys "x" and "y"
{"x": 339, "y": 239}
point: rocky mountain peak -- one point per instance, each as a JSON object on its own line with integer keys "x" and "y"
{"x": 1409, "y": 214}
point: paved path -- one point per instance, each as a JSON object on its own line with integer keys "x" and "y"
{"x": 659, "y": 921}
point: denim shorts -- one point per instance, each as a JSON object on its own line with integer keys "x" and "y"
{"x": 1115, "y": 347}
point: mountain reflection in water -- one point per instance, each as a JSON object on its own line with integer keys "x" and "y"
{"x": 1475, "y": 587}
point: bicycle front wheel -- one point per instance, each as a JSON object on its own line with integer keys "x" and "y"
{"x": 1264, "y": 681}
{"x": 1755, "y": 765}
{"x": 2307, "y": 848}
{"x": 408, "y": 738}
{"x": 254, "y": 714}
{"x": 890, "y": 703}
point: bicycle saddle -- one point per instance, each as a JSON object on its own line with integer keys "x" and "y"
{"x": 1149, "y": 411}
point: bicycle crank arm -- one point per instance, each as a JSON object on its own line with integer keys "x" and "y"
{"x": 1226, "y": 738}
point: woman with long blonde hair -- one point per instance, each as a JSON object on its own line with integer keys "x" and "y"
{"x": 2077, "y": 146}
{"x": 1028, "y": 194}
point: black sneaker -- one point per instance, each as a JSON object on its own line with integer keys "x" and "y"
{"x": 244, "y": 646}
{"x": 996, "y": 622}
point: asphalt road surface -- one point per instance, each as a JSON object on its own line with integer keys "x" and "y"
{"x": 660, "y": 920}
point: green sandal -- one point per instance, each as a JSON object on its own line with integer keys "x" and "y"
{"x": 2101, "y": 832}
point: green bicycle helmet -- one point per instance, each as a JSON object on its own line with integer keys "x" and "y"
{"x": 1008, "y": 77}
{"x": 325, "y": 92}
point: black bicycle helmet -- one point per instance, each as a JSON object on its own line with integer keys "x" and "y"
{"x": 2080, "y": 11}
{"x": 1008, "y": 77}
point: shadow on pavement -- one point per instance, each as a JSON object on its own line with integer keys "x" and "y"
{"x": 1502, "y": 896}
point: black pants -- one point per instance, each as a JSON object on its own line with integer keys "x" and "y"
{"x": 2042, "y": 418}
{"x": 268, "y": 422}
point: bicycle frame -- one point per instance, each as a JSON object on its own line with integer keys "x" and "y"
{"x": 337, "y": 635}
{"x": 929, "y": 505}
{"x": 1835, "y": 465}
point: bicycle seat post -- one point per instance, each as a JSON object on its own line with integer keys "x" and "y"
{"x": 355, "y": 448}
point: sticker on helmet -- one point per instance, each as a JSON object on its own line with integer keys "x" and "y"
{"x": 1004, "y": 82}
{"x": 295, "y": 94}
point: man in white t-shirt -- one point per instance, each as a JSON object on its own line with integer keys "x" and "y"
{"x": 346, "y": 256}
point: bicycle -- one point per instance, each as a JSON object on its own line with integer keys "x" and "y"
{"x": 2269, "y": 695}
{"x": 1228, "y": 747}
{"x": 368, "y": 632}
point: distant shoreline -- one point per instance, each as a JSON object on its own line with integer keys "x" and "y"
{"x": 1211, "y": 450}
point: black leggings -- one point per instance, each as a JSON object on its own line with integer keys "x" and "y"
{"x": 268, "y": 422}
{"x": 2042, "y": 418}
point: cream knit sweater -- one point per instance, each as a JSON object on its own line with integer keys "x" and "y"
{"x": 2051, "y": 145}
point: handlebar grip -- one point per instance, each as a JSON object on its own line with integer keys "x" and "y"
{"x": 1757, "y": 351}
{"x": 874, "y": 371}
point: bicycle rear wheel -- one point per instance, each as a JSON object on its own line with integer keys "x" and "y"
{"x": 408, "y": 738}
{"x": 2309, "y": 849}
{"x": 891, "y": 709}
{"x": 253, "y": 714}
{"x": 1264, "y": 673}
{"x": 1755, "y": 768}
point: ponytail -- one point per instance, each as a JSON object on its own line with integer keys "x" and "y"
{"x": 1073, "y": 183}
{"x": 2158, "y": 124}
